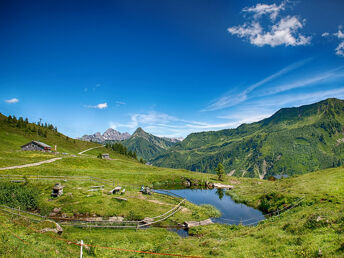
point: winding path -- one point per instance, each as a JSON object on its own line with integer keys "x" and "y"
{"x": 44, "y": 161}
{"x": 82, "y": 152}
{"x": 32, "y": 164}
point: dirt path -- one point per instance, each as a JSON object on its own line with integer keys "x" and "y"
{"x": 82, "y": 152}
{"x": 31, "y": 164}
{"x": 43, "y": 162}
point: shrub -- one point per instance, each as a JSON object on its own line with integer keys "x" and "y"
{"x": 274, "y": 201}
{"x": 18, "y": 195}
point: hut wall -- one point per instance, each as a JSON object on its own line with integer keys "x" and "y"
{"x": 32, "y": 147}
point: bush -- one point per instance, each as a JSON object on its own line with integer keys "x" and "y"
{"x": 274, "y": 201}
{"x": 18, "y": 195}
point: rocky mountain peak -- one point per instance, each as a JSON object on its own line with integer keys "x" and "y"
{"x": 109, "y": 135}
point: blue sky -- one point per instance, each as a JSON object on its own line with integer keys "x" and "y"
{"x": 171, "y": 67}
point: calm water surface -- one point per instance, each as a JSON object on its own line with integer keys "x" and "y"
{"x": 231, "y": 212}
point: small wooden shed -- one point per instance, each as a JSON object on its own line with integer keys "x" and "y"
{"x": 36, "y": 146}
{"x": 57, "y": 190}
{"x": 105, "y": 156}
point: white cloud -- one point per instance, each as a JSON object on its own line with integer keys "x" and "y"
{"x": 119, "y": 103}
{"x": 340, "y": 35}
{"x": 284, "y": 32}
{"x": 166, "y": 125}
{"x": 232, "y": 100}
{"x": 99, "y": 106}
{"x": 261, "y": 9}
{"x": 340, "y": 49}
{"x": 11, "y": 101}
{"x": 299, "y": 99}
{"x": 306, "y": 82}
{"x": 325, "y": 34}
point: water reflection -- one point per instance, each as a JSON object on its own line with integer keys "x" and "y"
{"x": 231, "y": 212}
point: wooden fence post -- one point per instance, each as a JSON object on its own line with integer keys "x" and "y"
{"x": 81, "y": 244}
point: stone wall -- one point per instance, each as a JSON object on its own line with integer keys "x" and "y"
{"x": 32, "y": 147}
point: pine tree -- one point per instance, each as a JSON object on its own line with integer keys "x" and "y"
{"x": 220, "y": 171}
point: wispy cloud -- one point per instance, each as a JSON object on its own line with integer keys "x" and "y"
{"x": 120, "y": 103}
{"x": 232, "y": 100}
{"x": 285, "y": 31}
{"x": 306, "y": 82}
{"x": 162, "y": 124}
{"x": 264, "y": 9}
{"x": 11, "y": 101}
{"x": 289, "y": 100}
{"x": 99, "y": 106}
{"x": 339, "y": 50}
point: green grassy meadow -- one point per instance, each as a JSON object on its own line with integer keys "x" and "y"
{"x": 312, "y": 229}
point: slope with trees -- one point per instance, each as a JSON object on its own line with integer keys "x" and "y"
{"x": 292, "y": 141}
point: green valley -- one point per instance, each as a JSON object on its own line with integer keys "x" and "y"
{"x": 307, "y": 209}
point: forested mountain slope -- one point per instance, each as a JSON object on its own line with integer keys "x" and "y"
{"x": 146, "y": 145}
{"x": 292, "y": 141}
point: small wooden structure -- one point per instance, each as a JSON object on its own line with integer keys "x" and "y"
{"x": 117, "y": 189}
{"x": 36, "y": 146}
{"x": 146, "y": 190}
{"x": 96, "y": 188}
{"x": 121, "y": 199}
{"x": 105, "y": 156}
{"x": 57, "y": 190}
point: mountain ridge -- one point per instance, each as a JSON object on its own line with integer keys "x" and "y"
{"x": 292, "y": 141}
{"x": 147, "y": 145}
{"x": 109, "y": 135}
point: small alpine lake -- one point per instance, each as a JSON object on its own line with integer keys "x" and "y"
{"x": 231, "y": 211}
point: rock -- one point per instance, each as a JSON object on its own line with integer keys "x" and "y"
{"x": 148, "y": 220}
{"x": 56, "y": 210}
{"x": 191, "y": 224}
{"x": 116, "y": 219}
{"x": 222, "y": 186}
{"x": 57, "y": 230}
{"x": 52, "y": 214}
{"x": 187, "y": 183}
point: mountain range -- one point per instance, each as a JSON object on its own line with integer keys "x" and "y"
{"x": 292, "y": 141}
{"x": 109, "y": 135}
{"x": 144, "y": 144}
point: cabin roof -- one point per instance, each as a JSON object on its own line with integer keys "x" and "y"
{"x": 41, "y": 144}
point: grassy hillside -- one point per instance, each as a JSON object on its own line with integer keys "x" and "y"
{"x": 314, "y": 228}
{"x": 292, "y": 141}
{"x": 14, "y": 134}
{"x": 146, "y": 145}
